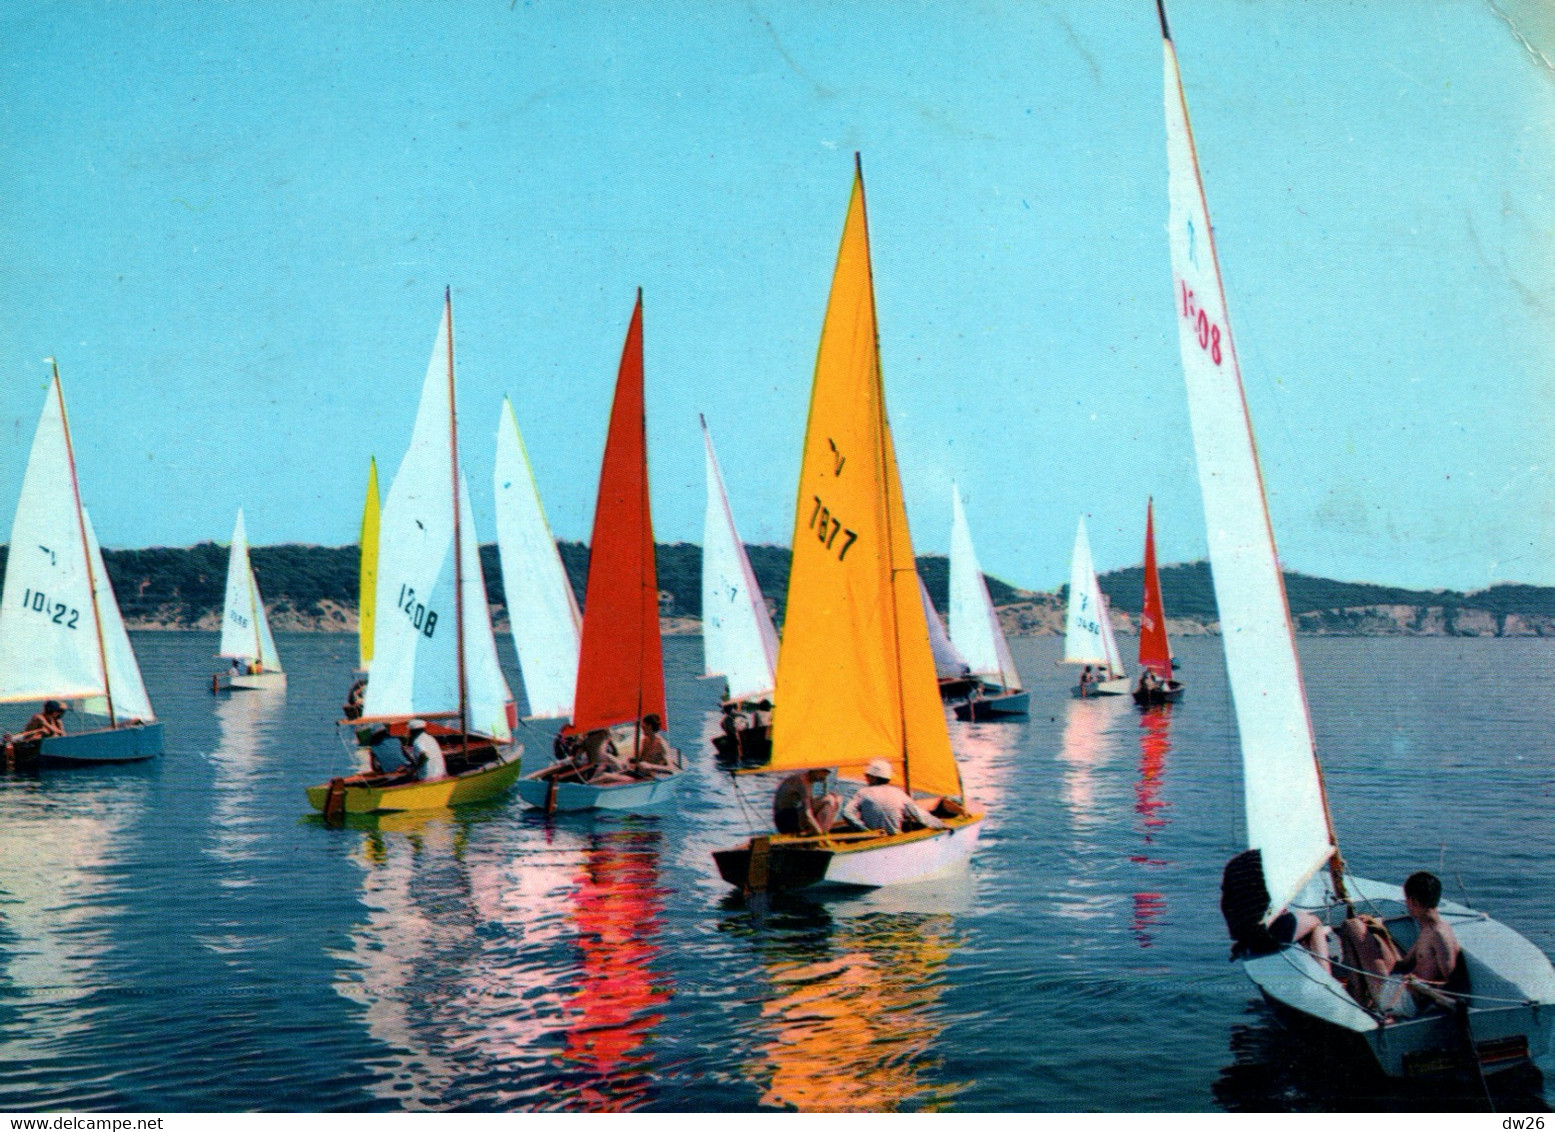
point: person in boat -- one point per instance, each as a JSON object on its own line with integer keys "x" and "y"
{"x": 422, "y": 750}
{"x": 881, "y": 805}
{"x": 1244, "y": 900}
{"x": 653, "y": 753}
{"x": 731, "y": 723}
{"x": 795, "y": 807}
{"x": 761, "y": 716}
{"x": 385, "y": 755}
{"x": 353, "y": 705}
{"x": 1087, "y": 678}
{"x": 602, "y": 764}
{"x": 46, "y": 724}
{"x": 237, "y": 668}
{"x": 1428, "y": 969}
{"x": 1148, "y": 682}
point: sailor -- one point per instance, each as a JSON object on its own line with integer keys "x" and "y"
{"x": 1244, "y": 900}
{"x": 796, "y": 809}
{"x": 1430, "y": 967}
{"x": 653, "y": 754}
{"x": 46, "y": 724}
{"x": 880, "y": 805}
{"x": 422, "y": 749}
{"x": 761, "y": 715}
{"x": 353, "y": 705}
{"x": 384, "y": 753}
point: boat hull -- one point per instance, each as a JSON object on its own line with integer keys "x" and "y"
{"x": 1012, "y": 705}
{"x": 257, "y": 682}
{"x": 473, "y": 786}
{"x": 109, "y": 745}
{"x": 785, "y": 861}
{"x": 572, "y": 797}
{"x": 1511, "y": 1013}
{"x": 956, "y": 687}
{"x": 754, "y": 746}
{"x": 1170, "y": 694}
{"x": 1122, "y": 686}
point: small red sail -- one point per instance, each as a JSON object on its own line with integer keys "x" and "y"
{"x": 1155, "y": 652}
{"x": 621, "y": 662}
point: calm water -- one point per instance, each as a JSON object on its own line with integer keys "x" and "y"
{"x": 182, "y": 935}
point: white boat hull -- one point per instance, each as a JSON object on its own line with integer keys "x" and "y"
{"x": 850, "y": 860}
{"x": 1122, "y": 686}
{"x": 907, "y": 863}
{"x": 258, "y": 682}
{"x": 1511, "y": 988}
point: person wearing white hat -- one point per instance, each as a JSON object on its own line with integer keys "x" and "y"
{"x": 881, "y": 805}
{"x": 423, "y": 749}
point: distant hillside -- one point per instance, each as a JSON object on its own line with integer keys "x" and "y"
{"x": 314, "y": 588}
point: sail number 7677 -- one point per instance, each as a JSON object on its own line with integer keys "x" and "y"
{"x": 827, "y": 527}
{"x": 1204, "y": 328}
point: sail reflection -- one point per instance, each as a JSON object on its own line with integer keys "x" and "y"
{"x": 245, "y": 720}
{"x": 854, "y": 1016}
{"x": 987, "y": 755}
{"x": 1154, "y": 744}
{"x": 1084, "y": 750}
{"x": 616, "y": 911}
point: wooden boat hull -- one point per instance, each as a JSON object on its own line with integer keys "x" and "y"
{"x": 1010, "y": 705}
{"x": 873, "y": 860}
{"x": 1122, "y": 686}
{"x": 1511, "y": 1014}
{"x": 572, "y": 797}
{"x": 473, "y": 786}
{"x": 109, "y": 745}
{"x": 1170, "y": 694}
{"x": 956, "y": 687}
{"x": 258, "y": 682}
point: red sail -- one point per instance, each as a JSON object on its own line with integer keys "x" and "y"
{"x": 621, "y": 663}
{"x": 1155, "y": 653}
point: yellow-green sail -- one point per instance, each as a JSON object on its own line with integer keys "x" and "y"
{"x": 368, "y": 594}
{"x": 855, "y": 677}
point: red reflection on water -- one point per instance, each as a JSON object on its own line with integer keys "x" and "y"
{"x": 616, "y": 911}
{"x": 1154, "y": 743}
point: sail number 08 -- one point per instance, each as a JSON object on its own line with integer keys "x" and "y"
{"x": 36, "y": 601}
{"x": 1204, "y": 329}
{"x": 416, "y": 612}
{"x": 827, "y": 527}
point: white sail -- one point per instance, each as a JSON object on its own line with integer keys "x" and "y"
{"x": 739, "y": 641}
{"x": 245, "y": 631}
{"x": 1088, "y": 635}
{"x": 415, "y": 634}
{"x": 974, "y": 626}
{"x": 1286, "y": 816}
{"x": 542, "y": 609}
{"x": 124, "y": 681}
{"x": 49, "y": 647}
{"x": 949, "y": 664}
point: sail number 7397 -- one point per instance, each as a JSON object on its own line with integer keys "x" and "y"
{"x": 1204, "y": 328}
{"x": 416, "y": 612}
{"x": 827, "y": 527}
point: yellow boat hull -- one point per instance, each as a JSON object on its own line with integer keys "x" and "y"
{"x": 488, "y": 782}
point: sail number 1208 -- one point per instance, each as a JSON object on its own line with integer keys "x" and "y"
{"x": 1204, "y": 328}
{"x": 827, "y": 527}
{"x": 416, "y": 612}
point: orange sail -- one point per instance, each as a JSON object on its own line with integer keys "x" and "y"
{"x": 1155, "y": 652}
{"x": 621, "y": 661}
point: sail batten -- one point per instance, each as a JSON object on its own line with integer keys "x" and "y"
{"x": 738, "y": 638}
{"x": 542, "y": 610}
{"x": 974, "y": 626}
{"x": 1287, "y": 817}
{"x": 855, "y": 677}
{"x": 621, "y": 658}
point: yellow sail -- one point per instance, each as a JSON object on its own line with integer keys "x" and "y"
{"x": 855, "y": 678}
{"x": 368, "y": 597}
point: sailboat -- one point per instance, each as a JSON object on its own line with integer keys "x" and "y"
{"x": 245, "y": 631}
{"x": 1506, "y": 1016}
{"x": 1155, "y": 651}
{"x": 542, "y": 609}
{"x": 974, "y": 627}
{"x": 1088, "y": 637}
{"x": 433, "y": 653}
{"x": 620, "y": 655}
{"x": 61, "y": 635}
{"x": 739, "y": 641}
{"x": 855, "y": 676}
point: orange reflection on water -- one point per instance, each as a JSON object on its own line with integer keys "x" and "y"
{"x": 1154, "y": 743}
{"x": 616, "y": 911}
{"x": 854, "y": 1030}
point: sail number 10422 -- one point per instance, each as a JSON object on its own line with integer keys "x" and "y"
{"x": 1204, "y": 328}
{"x": 36, "y": 601}
{"x": 416, "y": 612}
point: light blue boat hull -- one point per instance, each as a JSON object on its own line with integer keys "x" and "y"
{"x": 116, "y": 745}
{"x": 574, "y": 796}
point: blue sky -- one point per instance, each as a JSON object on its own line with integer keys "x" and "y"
{"x": 232, "y": 224}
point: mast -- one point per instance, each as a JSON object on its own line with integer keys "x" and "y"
{"x": 86, "y": 551}
{"x": 254, "y": 611}
{"x": 1335, "y": 859}
{"x": 453, "y": 447}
